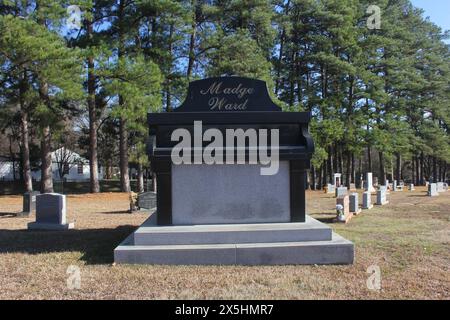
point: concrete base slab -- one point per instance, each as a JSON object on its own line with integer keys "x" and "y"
{"x": 50, "y": 226}
{"x": 252, "y": 244}
{"x": 23, "y": 214}
{"x": 311, "y": 230}
{"x": 335, "y": 251}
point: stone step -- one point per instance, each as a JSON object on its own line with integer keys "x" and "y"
{"x": 312, "y": 230}
{"x": 335, "y": 251}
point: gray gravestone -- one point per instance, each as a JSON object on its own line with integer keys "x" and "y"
{"x": 50, "y": 213}
{"x": 432, "y": 190}
{"x": 367, "y": 201}
{"x": 341, "y": 191}
{"x": 331, "y": 188}
{"x": 381, "y": 198}
{"x": 411, "y": 187}
{"x": 147, "y": 200}
{"x": 354, "y": 203}
{"x": 29, "y": 203}
{"x": 395, "y": 186}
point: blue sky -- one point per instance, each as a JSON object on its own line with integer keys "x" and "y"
{"x": 437, "y": 10}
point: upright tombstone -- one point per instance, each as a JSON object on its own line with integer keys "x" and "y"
{"x": 354, "y": 204}
{"x": 368, "y": 183}
{"x": 345, "y": 204}
{"x": 367, "y": 200}
{"x": 381, "y": 198}
{"x": 411, "y": 187}
{"x": 29, "y": 203}
{"x": 341, "y": 191}
{"x": 337, "y": 179}
{"x": 353, "y": 187}
{"x": 395, "y": 186}
{"x": 147, "y": 200}
{"x": 50, "y": 213}
{"x": 222, "y": 203}
{"x": 433, "y": 190}
{"x": 331, "y": 188}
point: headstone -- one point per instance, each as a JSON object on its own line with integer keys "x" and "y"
{"x": 368, "y": 183}
{"x": 395, "y": 186}
{"x": 442, "y": 187}
{"x": 411, "y": 187}
{"x": 354, "y": 203}
{"x": 341, "y": 191}
{"x": 367, "y": 200}
{"x": 432, "y": 190}
{"x": 337, "y": 179}
{"x": 345, "y": 203}
{"x": 147, "y": 200}
{"x": 29, "y": 203}
{"x": 352, "y": 187}
{"x": 331, "y": 188}
{"x": 50, "y": 213}
{"x": 381, "y": 198}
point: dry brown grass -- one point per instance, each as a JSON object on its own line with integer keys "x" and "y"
{"x": 409, "y": 239}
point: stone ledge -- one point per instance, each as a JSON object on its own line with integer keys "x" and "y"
{"x": 312, "y": 230}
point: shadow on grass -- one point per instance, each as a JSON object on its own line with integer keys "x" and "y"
{"x": 97, "y": 245}
{"x": 117, "y": 212}
{"x": 9, "y": 214}
{"x": 325, "y": 220}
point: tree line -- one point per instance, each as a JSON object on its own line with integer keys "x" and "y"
{"x": 377, "y": 82}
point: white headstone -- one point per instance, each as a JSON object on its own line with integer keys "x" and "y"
{"x": 433, "y": 190}
{"x": 337, "y": 179}
{"x": 369, "y": 183}
{"x": 331, "y": 189}
{"x": 50, "y": 213}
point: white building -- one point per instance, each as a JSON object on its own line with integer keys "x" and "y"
{"x": 66, "y": 164}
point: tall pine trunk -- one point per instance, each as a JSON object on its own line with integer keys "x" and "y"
{"x": 398, "y": 172}
{"x": 93, "y": 125}
{"x": 46, "y": 161}
{"x": 26, "y": 152}
{"x": 123, "y": 131}
{"x": 46, "y": 152}
{"x": 382, "y": 178}
{"x": 123, "y": 151}
{"x": 140, "y": 181}
{"x": 192, "y": 41}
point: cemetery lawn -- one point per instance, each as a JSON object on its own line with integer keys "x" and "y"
{"x": 409, "y": 239}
